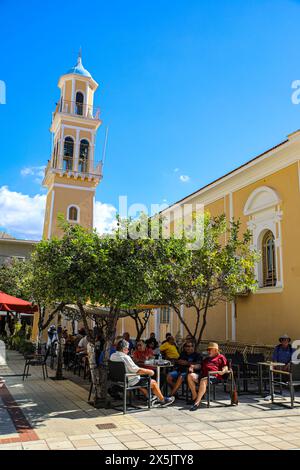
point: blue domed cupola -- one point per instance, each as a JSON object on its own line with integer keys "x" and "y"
{"x": 78, "y": 69}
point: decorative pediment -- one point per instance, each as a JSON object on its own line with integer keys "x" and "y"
{"x": 262, "y": 198}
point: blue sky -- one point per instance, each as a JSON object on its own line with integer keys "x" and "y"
{"x": 194, "y": 86}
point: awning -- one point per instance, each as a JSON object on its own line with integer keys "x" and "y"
{"x": 9, "y": 303}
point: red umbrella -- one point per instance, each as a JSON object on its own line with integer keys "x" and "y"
{"x": 9, "y": 303}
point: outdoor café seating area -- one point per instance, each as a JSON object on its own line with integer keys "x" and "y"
{"x": 251, "y": 372}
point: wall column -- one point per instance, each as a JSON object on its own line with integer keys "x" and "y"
{"x": 76, "y": 155}
{"x": 233, "y": 321}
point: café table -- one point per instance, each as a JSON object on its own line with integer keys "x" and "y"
{"x": 157, "y": 366}
{"x": 268, "y": 364}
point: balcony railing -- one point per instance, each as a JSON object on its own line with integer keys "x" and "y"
{"x": 77, "y": 109}
{"x": 82, "y": 171}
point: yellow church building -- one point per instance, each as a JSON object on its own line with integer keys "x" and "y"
{"x": 264, "y": 194}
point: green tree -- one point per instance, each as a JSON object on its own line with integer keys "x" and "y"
{"x": 219, "y": 270}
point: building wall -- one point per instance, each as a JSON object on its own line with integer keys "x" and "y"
{"x": 263, "y": 316}
{"x": 12, "y": 248}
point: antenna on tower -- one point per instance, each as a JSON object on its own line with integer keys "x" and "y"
{"x": 105, "y": 146}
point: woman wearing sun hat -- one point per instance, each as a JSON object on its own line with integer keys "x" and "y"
{"x": 215, "y": 362}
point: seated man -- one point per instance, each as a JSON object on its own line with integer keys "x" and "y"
{"x": 187, "y": 358}
{"x": 82, "y": 345}
{"x": 169, "y": 349}
{"x": 215, "y": 362}
{"x": 126, "y": 336}
{"x": 121, "y": 355}
{"x": 113, "y": 349}
{"x": 283, "y": 352}
{"x": 152, "y": 341}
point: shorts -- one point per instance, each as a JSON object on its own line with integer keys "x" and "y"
{"x": 143, "y": 382}
{"x": 212, "y": 380}
{"x": 176, "y": 373}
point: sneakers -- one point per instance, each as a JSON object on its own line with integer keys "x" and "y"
{"x": 167, "y": 402}
{"x": 194, "y": 407}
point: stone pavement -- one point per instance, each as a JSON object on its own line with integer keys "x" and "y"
{"x": 38, "y": 414}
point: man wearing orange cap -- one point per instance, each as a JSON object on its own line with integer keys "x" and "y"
{"x": 215, "y": 362}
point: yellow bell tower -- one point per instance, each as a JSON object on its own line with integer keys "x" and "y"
{"x": 72, "y": 175}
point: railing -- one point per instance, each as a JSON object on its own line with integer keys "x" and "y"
{"x": 77, "y": 109}
{"x": 96, "y": 171}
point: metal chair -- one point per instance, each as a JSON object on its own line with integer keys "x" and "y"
{"x": 35, "y": 360}
{"x": 117, "y": 375}
{"x": 254, "y": 373}
{"x": 211, "y": 388}
{"x": 287, "y": 379}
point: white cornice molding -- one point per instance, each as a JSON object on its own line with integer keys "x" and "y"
{"x": 71, "y": 186}
{"x": 255, "y": 170}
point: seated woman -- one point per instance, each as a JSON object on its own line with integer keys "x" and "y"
{"x": 169, "y": 349}
{"x": 215, "y": 362}
{"x": 187, "y": 358}
{"x": 142, "y": 353}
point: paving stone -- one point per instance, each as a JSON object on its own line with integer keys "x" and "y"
{"x": 114, "y": 447}
{"x": 107, "y": 440}
{"x": 190, "y": 446}
{"x": 89, "y": 448}
{"x": 137, "y": 445}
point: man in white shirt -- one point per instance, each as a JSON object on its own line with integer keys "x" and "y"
{"x": 82, "y": 345}
{"x": 121, "y": 355}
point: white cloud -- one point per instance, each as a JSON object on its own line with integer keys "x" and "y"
{"x": 184, "y": 178}
{"x": 21, "y": 214}
{"x": 176, "y": 170}
{"x": 36, "y": 171}
{"x": 105, "y": 217}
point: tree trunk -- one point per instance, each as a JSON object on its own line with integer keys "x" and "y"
{"x": 204, "y": 319}
{"x": 109, "y": 339}
{"x": 178, "y": 313}
{"x": 59, "y": 367}
{"x": 94, "y": 369}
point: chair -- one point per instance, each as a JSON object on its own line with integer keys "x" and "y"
{"x": 35, "y": 360}
{"x": 253, "y": 372}
{"x": 287, "y": 379}
{"x": 117, "y": 375}
{"x": 237, "y": 364}
{"x": 211, "y": 388}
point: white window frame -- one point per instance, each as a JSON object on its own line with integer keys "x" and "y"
{"x": 78, "y": 214}
{"x": 263, "y": 210}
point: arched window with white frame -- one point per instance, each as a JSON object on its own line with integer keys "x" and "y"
{"x": 263, "y": 209}
{"x": 79, "y": 103}
{"x": 73, "y": 214}
{"x": 83, "y": 156}
{"x": 268, "y": 254}
{"x": 68, "y": 153}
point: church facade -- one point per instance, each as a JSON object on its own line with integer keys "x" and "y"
{"x": 264, "y": 194}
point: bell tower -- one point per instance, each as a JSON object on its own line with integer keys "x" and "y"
{"x": 72, "y": 175}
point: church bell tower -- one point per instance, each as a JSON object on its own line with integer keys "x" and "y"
{"x": 72, "y": 175}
